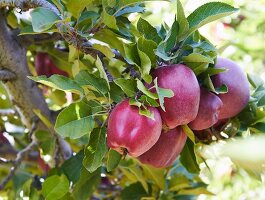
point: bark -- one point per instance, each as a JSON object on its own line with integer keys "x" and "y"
{"x": 24, "y": 93}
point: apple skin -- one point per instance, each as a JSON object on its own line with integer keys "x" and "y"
{"x": 183, "y": 107}
{"x": 238, "y": 93}
{"x": 209, "y": 108}
{"x": 45, "y": 66}
{"x": 129, "y": 132}
{"x": 166, "y": 150}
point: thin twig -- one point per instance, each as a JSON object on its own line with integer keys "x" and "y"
{"x": 16, "y": 163}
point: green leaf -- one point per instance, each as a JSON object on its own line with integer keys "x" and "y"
{"x": 189, "y": 132}
{"x": 148, "y": 47}
{"x": 59, "y": 82}
{"x": 195, "y": 191}
{"x": 148, "y": 31}
{"x": 196, "y": 57}
{"x": 84, "y": 78}
{"x": 43, "y": 19}
{"x": 146, "y": 112}
{"x": 77, "y": 6}
{"x": 182, "y": 21}
{"x": 46, "y": 141}
{"x": 178, "y": 181}
{"x": 163, "y": 93}
{"x": 75, "y": 121}
{"x": 105, "y": 50}
{"x": 207, "y": 13}
{"x": 86, "y": 185}
{"x": 188, "y": 158}
{"x": 55, "y": 187}
{"x": 137, "y": 173}
{"x": 127, "y": 85}
{"x": 155, "y": 174}
{"x": 133, "y": 192}
{"x": 72, "y": 167}
{"x": 142, "y": 88}
{"x": 252, "y": 160}
{"x": 95, "y": 150}
{"x": 113, "y": 160}
{"x": 101, "y": 70}
{"x": 208, "y": 82}
{"x": 145, "y": 66}
{"x": 107, "y": 36}
{"x": 109, "y": 20}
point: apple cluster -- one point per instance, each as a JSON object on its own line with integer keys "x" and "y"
{"x": 148, "y": 140}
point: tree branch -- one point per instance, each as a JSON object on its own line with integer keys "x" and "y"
{"x": 7, "y": 75}
{"x": 24, "y": 93}
{"x": 16, "y": 163}
{"x": 25, "y": 5}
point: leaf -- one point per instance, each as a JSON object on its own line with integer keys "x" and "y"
{"x": 146, "y": 112}
{"x": 148, "y": 47}
{"x": 102, "y": 72}
{"x": 145, "y": 66}
{"x": 72, "y": 167}
{"x": 163, "y": 93}
{"x": 105, "y": 50}
{"x": 113, "y": 160}
{"x": 55, "y": 187}
{"x": 196, "y": 57}
{"x": 207, "y": 13}
{"x": 133, "y": 192}
{"x": 208, "y": 82}
{"x": 252, "y": 160}
{"x": 43, "y": 19}
{"x": 188, "y": 158}
{"x": 128, "y": 86}
{"x": 59, "y": 82}
{"x": 157, "y": 175}
{"x": 138, "y": 8}
{"x": 109, "y": 20}
{"x": 84, "y": 78}
{"x": 123, "y": 3}
{"x": 77, "y": 6}
{"x": 46, "y": 141}
{"x": 188, "y": 132}
{"x": 182, "y": 21}
{"x": 135, "y": 171}
{"x": 75, "y": 121}
{"x": 95, "y": 150}
{"x": 195, "y": 191}
{"x": 148, "y": 31}
{"x": 178, "y": 181}
{"x": 142, "y": 88}
{"x": 107, "y": 36}
{"x": 86, "y": 185}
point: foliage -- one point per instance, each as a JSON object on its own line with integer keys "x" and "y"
{"x": 114, "y": 63}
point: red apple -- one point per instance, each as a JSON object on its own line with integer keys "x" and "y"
{"x": 209, "y": 109}
{"x": 183, "y": 107}
{"x": 166, "y": 150}
{"x": 45, "y": 66}
{"x": 238, "y": 95}
{"x": 132, "y": 133}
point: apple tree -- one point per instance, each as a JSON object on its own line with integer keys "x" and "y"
{"x": 97, "y": 103}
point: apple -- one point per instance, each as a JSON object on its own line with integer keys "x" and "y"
{"x": 45, "y": 66}
{"x": 132, "y": 133}
{"x": 183, "y": 107}
{"x": 209, "y": 108}
{"x": 166, "y": 150}
{"x": 238, "y": 93}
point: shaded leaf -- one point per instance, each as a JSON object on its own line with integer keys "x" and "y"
{"x": 113, "y": 160}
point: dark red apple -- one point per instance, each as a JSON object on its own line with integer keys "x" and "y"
{"x": 209, "y": 109}
{"x": 45, "y": 66}
{"x": 238, "y": 94}
{"x": 132, "y": 133}
{"x": 183, "y": 107}
{"x": 166, "y": 150}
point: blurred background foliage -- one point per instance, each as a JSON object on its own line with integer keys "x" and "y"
{"x": 240, "y": 37}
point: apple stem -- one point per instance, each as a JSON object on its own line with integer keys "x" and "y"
{"x": 165, "y": 128}
{"x": 124, "y": 153}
